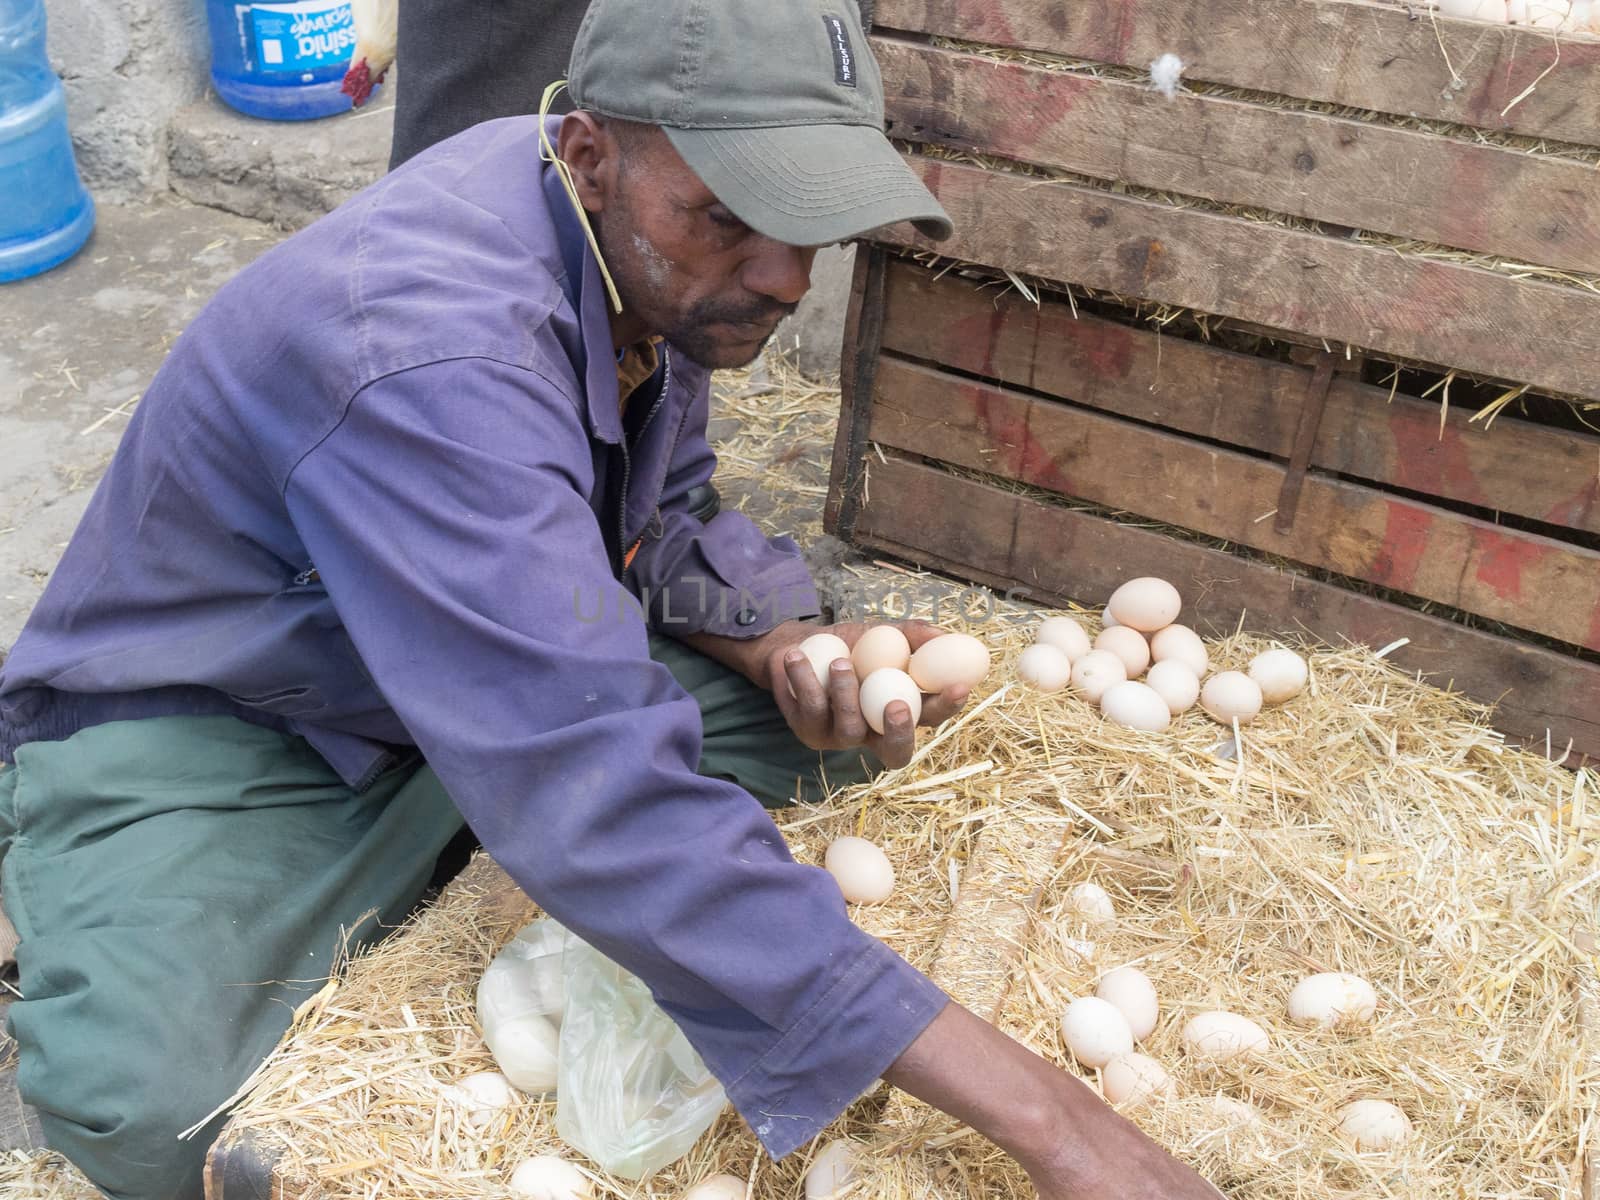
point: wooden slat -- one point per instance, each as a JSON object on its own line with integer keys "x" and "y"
{"x": 1508, "y": 575}
{"x": 1474, "y": 320}
{"x": 1515, "y": 466}
{"x": 1397, "y": 181}
{"x": 1347, "y": 52}
{"x": 863, "y": 332}
{"x": 1001, "y": 539}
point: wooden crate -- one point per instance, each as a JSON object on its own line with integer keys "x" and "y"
{"x": 1304, "y": 483}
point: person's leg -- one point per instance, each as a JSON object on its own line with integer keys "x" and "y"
{"x": 180, "y": 885}
{"x": 746, "y": 738}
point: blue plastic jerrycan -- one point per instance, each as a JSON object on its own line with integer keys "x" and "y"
{"x": 45, "y": 213}
{"x": 285, "y": 62}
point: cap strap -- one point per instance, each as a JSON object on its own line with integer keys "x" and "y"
{"x": 547, "y": 153}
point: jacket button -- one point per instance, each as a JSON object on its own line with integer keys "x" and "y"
{"x": 745, "y": 617}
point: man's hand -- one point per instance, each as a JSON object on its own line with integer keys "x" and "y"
{"x": 829, "y": 718}
{"x": 1072, "y": 1144}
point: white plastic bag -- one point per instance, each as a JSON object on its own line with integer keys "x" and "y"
{"x": 634, "y": 1096}
{"x": 521, "y": 1003}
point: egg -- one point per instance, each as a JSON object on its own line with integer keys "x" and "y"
{"x": 1130, "y": 992}
{"x": 1178, "y": 686}
{"x": 833, "y": 1170}
{"x": 717, "y": 1187}
{"x": 1280, "y": 674}
{"x": 1476, "y": 10}
{"x": 1135, "y": 706}
{"x": 1231, "y": 696}
{"x": 1374, "y": 1125}
{"x": 1132, "y": 1079}
{"x": 950, "y": 660}
{"x": 880, "y": 646}
{"x": 1044, "y": 667}
{"x": 1095, "y": 672}
{"x": 1080, "y": 947}
{"x": 1095, "y": 1031}
{"x": 546, "y": 1177}
{"x": 1333, "y": 998}
{"x": 822, "y": 650}
{"x": 1107, "y": 619}
{"x": 1065, "y": 634}
{"x": 1221, "y": 1037}
{"x": 862, "y": 871}
{"x": 1230, "y": 1112}
{"x": 1090, "y": 903}
{"x": 484, "y": 1095}
{"x": 1146, "y": 604}
{"x": 1179, "y": 643}
{"x": 1127, "y": 644}
{"x": 882, "y": 688}
{"x": 525, "y": 1049}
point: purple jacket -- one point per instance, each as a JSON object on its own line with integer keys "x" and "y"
{"x": 377, "y": 496}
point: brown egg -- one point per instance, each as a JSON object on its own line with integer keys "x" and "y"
{"x": 1146, "y": 604}
{"x": 880, "y": 646}
{"x": 1129, "y": 645}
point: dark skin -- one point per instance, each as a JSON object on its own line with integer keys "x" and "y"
{"x": 688, "y": 269}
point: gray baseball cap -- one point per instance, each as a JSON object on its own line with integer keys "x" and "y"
{"x": 777, "y": 106}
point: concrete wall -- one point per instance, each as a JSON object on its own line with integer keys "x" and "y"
{"x": 128, "y": 66}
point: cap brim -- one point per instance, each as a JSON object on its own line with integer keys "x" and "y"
{"x": 809, "y": 185}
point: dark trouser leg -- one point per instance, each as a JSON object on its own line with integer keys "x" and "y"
{"x": 180, "y": 885}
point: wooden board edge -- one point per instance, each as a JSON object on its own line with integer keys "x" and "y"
{"x": 863, "y": 341}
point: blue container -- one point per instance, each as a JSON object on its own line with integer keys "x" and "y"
{"x": 45, "y": 214}
{"x": 285, "y": 62}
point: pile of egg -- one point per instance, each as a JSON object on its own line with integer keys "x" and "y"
{"x": 887, "y": 670}
{"x": 1569, "y": 16}
{"x": 1141, "y": 638}
{"x": 1101, "y": 1031}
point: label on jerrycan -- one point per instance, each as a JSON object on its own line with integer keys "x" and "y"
{"x": 300, "y": 37}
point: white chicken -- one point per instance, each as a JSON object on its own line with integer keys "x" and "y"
{"x": 377, "y": 30}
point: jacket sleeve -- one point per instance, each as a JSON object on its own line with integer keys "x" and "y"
{"x": 725, "y": 576}
{"x": 447, "y": 516}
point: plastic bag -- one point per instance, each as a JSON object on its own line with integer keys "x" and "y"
{"x": 522, "y": 1001}
{"x": 634, "y": 1096}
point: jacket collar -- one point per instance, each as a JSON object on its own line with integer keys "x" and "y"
{"x": 586, "y": 291}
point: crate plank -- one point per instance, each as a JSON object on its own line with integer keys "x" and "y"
{"x": 1415, "y": 185}
{"x": 1508, "y": 575}
{"x": 1526, "y": 331}
{"x": 1346, "y": 52}
{"x": 1060, "y": 554}
{"x": 1516, "y": 466}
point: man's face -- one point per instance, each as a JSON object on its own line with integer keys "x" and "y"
{"x": 685, "y": 266}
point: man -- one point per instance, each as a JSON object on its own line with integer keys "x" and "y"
{"x": 383, "y": 503}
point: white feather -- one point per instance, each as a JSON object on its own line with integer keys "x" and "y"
{"x": 1166, "y": 74}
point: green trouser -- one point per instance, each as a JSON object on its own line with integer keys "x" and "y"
{"x": 180, "y": 884}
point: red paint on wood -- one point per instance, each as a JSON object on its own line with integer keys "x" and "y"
{"x": 1004, "y": 424}
{"x": 1502, "y": 565}
{"x": 1577, "y": 510}
{"x": 1107, "y": 350}
{"x": 1405, "y": 539}
{"x": 1432, "y": 461}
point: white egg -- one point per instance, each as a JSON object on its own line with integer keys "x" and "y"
{"x": 862, "y": 871}
{"x": 1132, "y": 1079}
{"x": 882, "y": 688}
{"x": 880, "y": 646}
{"x": 717, "y": 1187}
{"x": 1095, "y": 1031}
{"x": 1135, "y": 706}
{"x": 833, "y": 1170}
{"x": 484, "y": 1095}
{"x": 1231, "y": 696}
{"x": 1091, "y": 904}
{"x": 1280, "y": 674}
{"x": 1175, "y": 683}
{"x": 1066, "y": 635}
{"x": 1127, "y": 644}
{"x": 950, "y": 660}
{"x": 1374, "y": 1125}
{"x": 1146, "y": 604}
{"x": 1095, "y": 672}
{"x": 1476, "y": 10}
{"x": 1044, "y": 667}
{"x": 546, "y": 1177}
{"x": 1107, "y": 619}
{"x": 1081, "y": 947}
{"x": 1333, "y": 998}
{"x": 822, "y": 650}
{"x": 1230, "y": 1112}
{"x": 1223, "y": 1036}
{"x": 1179, "y": 643}
{"x": 525, "y": 1049}
{"x": 1130, "y": 992}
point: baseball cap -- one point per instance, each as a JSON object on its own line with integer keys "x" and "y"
{"x": 777, "y": 105}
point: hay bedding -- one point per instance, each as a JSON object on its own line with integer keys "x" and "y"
{"x": 1375, "y": 825}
